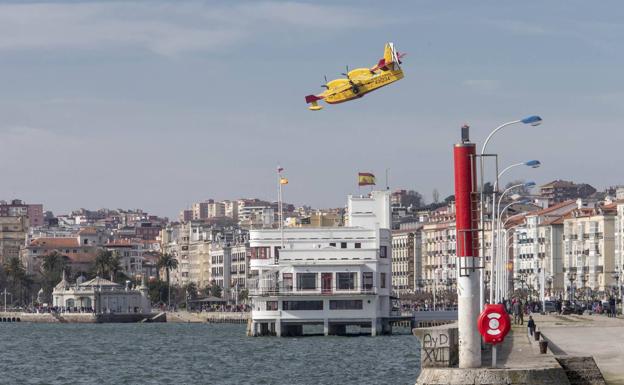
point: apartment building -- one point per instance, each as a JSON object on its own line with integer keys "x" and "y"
{"x": 538, "y": 249}
{"x": 407, "y": 260}
{"x": 589, "y": 250}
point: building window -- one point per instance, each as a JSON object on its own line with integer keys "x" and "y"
{"x": 287, "y": 281}
{"x": 276, "y": 251}
{"x": 259, "y": 253}
{"x": 332, "y": 244}
{"x": 355, "y": 304}
{"x": 383, "y": 251}
{"x": 343, "y": 245}
{"x": 358, "y": 245}
{"x": 346, "y": 281}
{"x": 302, "y": 305}
{"x": 306, "y": 281}
{"x": 271, "y": 305}
{"x": 367, "y": 280}
{"x": 382, "y": 280}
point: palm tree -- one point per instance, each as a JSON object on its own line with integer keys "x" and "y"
{"x": 102, "y": 262}
{"x": 53, "y": 265}
{"x": 168, "y": 262}
{"x": 114, "y": 266}
{"x": 54, "y": 262}
{"x": 15, "y": 272}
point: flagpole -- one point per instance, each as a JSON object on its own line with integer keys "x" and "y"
{"x": 280, "y": 205}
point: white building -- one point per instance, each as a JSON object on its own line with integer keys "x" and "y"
{"x": 334, "y": 277}
{"x": 538, "y": 250}
{"x": 589, "y": 251}
{"x": 619, "y": 239}
{"x": 100, "y": 296}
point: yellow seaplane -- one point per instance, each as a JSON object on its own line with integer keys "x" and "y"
{"x": 360, "y": 81}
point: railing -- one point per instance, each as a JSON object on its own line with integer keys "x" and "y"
{"x": 291, "y": 291}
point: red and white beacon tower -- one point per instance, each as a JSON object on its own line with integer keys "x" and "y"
{"x": 468, "y": 262}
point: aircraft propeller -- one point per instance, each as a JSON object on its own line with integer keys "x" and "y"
{"x": 346, "y": 74}
{"x": 354, "y": 87}
{"x": 325, "y": 85}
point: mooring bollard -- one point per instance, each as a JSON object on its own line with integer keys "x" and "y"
{"x": 536, "y": 334}
{"x": 543, "y": 345}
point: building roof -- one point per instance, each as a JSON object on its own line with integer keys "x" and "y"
{"x": 554, "y": 207}
{"x": 121, "y": 243}
{"x": 88, "y": 231}
{"x": 98, "y": 281}
{"x": 558, "y": 184}
{"x": 53, "y": 243}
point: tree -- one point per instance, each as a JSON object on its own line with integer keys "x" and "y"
{"x": 243, "y": 295}
{"x": 15, "y": 272}
{"x": 114, "y": 266}
{"x": 102, "y": 262}
{"x": 413, "y": 198}
{"x": 522, "y": 190}
{"x": 205, "y": 291}
{"x": 168, "y": 262}
{"x": 215, "y": 290}
{"x": 156, "y": 289}
{"x": 436, "y": 195}
{"x": 53, "y": 266}
{"x": 191, "y": 290}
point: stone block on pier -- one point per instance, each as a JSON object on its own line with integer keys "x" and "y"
{"x": 439, "y": 346}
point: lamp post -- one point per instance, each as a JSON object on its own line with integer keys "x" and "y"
{"x": 532, "y": 120}
{"x": 571, "y": 278}
{"x": 505, "y": 260}
{"x": 5, "y": 292}
{"x": 616, "y": 275}
{"x": 502, "y": 248}
{"x": 495, "y": 212}
{"x": 529, "y": 163}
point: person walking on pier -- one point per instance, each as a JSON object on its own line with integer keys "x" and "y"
{"x": 517, "y": 309}
{"x": 531, "y": 325}
{"x": 612, "y": 307}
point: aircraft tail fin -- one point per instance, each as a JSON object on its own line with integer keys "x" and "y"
{"x": 311, "y": 98}
{"x": 389, "y": 55}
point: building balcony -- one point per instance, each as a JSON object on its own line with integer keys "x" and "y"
{"x": 330, "y": 256}
{"x": 281, "y": 290}
{"x": 264, "y": 263}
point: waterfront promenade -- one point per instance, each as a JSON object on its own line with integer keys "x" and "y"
{"x": 210, "y": 317}
{"x": 588, "y": 335}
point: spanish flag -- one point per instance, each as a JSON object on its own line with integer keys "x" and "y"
{"x": 366, "y": 179}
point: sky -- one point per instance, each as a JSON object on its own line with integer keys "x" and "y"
{"x": 158, "y": 104}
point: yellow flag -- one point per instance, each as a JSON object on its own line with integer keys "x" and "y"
{"x": 283, "y": 181}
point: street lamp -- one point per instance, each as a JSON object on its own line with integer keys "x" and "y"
{"x": 529, "y": 163}
{"x": 496, "y": 229}
{"x": 502, "y": 246}
{"x": 571, "y": 278}
{"x": 617, "y": 276}
{"x": 532, "y": 120}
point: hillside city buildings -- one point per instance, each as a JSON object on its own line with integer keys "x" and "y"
{"x": 568, "y": 241}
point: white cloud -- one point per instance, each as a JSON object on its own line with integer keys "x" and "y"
{"x": 166, "y": 28}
